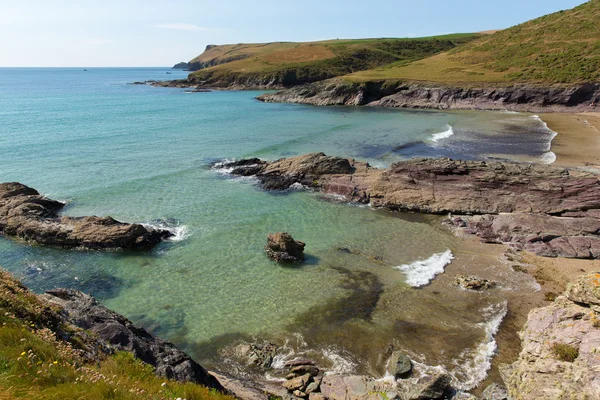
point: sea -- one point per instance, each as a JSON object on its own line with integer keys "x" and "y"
{"x": 143, "y": 154}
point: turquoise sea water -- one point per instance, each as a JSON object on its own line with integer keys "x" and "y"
{"x": 142, "y": 154}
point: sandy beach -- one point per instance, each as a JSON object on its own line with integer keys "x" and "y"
{"x": 578, "y": 141}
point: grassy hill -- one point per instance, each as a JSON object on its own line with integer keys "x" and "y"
{"x": 288, "y": 63}
{"x": 563, "y": 47}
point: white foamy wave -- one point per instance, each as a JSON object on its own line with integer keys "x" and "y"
{"x": 420, "y": 273}
{"x": 178, "y": 232}
{"x": 548, "y": 157}
{"x": 553, "y": 134}
{"x": 473, "y": 365}
{"x": 340, "y": 364}
{"x": 436, "y": 137}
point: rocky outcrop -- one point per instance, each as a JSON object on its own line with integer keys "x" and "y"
{"x": 473, "y": 283}
{"x": 547, "y": 210}
{"x": 282, "y": 248}
{"x": 120, "y": 334}
{"x": 26, "y": 214}
{"x": 398, "y": 94}
{"x": 560, "y": 357}
{"x": 181, "y": 65}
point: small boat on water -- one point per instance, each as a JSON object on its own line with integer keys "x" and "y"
{"x": 85, "y": 70}
{"x": 168, "y": 73}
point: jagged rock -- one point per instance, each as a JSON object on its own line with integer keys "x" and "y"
{"x": 262, "y": 354}
{"x": 473, "y": 283}
{"x": 495, "y": 392}
{"x": 84, "y": 311}
{"x": 546, "y": 210}
{"x": 586, "y": 291}
{"x": 399, "y": 365}
{"x": 539, "y": 373}
{"x": 282, "y": 248}
{"x": 464, "y": 396}
{"x": 316, "y": 396}
{"x": 305, "y": 369}
{"x": 356, "y": 387}
{"x": 314, "y": 386}
{"x": 430, "y": 387}
{"x": 26, "y": 214}
{"x": 299, "y": 383}
{"x": 532, "y": 98}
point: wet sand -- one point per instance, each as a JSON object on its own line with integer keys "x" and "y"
{"x": 578, "y": 141}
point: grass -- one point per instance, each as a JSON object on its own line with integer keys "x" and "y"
{"x": 35, "y": 364}
{"x": 565, "y": 352}
{"x": 294, "y": 63}
{"x": 560, "y": 48}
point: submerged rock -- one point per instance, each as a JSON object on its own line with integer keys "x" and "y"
{"x": 473, "y": 283}
{"x": 430, "y": 387}
{"x": 26, "y": 214}
{"x": 495, "y": 392}
{"x": 282, "y": 248}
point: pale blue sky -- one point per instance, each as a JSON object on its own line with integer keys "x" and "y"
{"x": 161, "y": 33}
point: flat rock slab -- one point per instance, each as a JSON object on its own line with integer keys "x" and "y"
{"x": 26, "y": 214}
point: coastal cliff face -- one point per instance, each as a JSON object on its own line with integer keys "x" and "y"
{"x": 560, "y": 358}
{"x": 397, "y": 94}
{"x": 26, "y": 214}
{"x": 546, "y": 210}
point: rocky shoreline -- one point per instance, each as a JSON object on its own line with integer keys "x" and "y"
{"x": 549, "y": 211}
{"x": 27, "y": 215}
{"x": 397, "y": 94}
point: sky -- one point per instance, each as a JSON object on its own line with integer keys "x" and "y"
{"x": 113, "y": 33}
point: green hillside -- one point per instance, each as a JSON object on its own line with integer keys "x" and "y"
{"x": 288, "y": 63}
{"x": 563, "y": 47}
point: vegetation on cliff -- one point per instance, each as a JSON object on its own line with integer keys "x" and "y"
{"x": 41, "y": 357}
{"x": 560, "y": 48}
{"x": 289, "y": 63}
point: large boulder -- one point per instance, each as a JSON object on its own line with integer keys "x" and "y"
{"x": 26, "y": 214}
{"x": 282, "y": 248}
{"x": 399, "y": 365}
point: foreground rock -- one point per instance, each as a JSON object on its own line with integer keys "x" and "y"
{"x": 26, "y": 214}
{"x": 399, "y": 94}
{"x": 546, "y": 210}
{"x": 120, "y": 334}
{"x": 473, "y": 283}
{"x": 282, "y": 248}
{"x": 560, "y": 356}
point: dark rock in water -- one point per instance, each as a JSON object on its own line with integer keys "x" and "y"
{"x": 297, "y": 362}
{"x": 305, "y": 369}
{"x": 26, "y": 214}
{"x": 282, "y": 248}
{"x": 473, "y": 283}
{"x": 84, "y": 311}
{"x": 431, "y": 387}
{"x": 495, "y": 392}
{"x": 262, "y": 355}
{"x": 298, "y": 383}
{"x": 399, "y": 365}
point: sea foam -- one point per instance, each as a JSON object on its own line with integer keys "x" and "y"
{"x": 178, "y": 232}
{"x": 436, "y": 137}
{"x": 420, "y": 273}
{"x": 473, "y": 365}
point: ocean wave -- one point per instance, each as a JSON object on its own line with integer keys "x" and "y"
{"x": 473, "y": 365}
{"x": 436, "y": 137}
{"x": 179, "y": 232}
{"x": 340, "y": 364}
{"x": 420, "y": 273}
{"x": 548, "y": 157}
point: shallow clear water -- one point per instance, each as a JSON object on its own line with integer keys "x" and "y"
{"x": 141, "y": 154}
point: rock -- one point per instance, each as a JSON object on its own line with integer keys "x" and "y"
{"x": 430, "y": 387}
{"x": 313, "y": 387}
{"x": 495, "y": 392}
{"x": 299, "y": 393}
{"x": 356, "y": 387}
{"x": 533, "y": 98}
{"x": 399, "y": 365}
{"x": 282, "y": 248}
{"x": 585, "y": 291}
{"x": 316, "y": 396}
{"x": 305, "y": 369}
{"x": 464, "y": 396}
{"x": 473, "y": 283}
{"x": 539, "y": 373}
{"x": 85, "y": 312}
{"x": 299, "y": 383}
{"x": 262, "y": 355}
{"x": 539, "y": 208}
{"x": 297, "y": 362}
{"x": 26, "y": 214}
